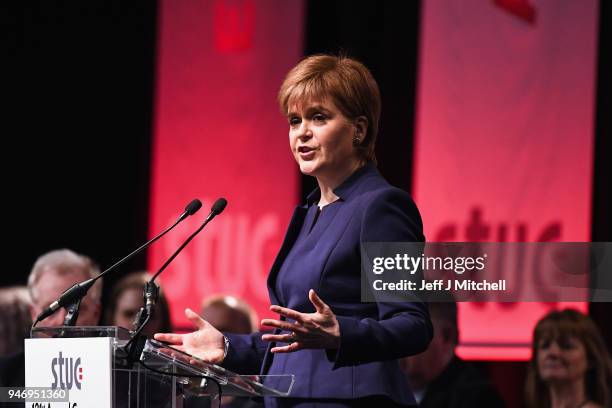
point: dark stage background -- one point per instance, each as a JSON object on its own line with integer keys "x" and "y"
{"x": 77, "y": 133}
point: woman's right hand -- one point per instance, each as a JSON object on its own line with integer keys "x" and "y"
{"x": 206, "y": 343}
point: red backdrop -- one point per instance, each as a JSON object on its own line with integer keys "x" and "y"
{"x": 218, "y": 132}
{"x": 504, "y": 127}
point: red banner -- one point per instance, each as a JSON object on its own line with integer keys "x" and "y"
{"x": 218, "y": 132}
{"x": 504, "y": 127}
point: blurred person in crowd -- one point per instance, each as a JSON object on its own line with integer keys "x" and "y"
{"x": 229, "y": 314}
{"x": 51, "y": 275}
{"x": 438, "y": 377}
{"x": 126, "y": 299}
{"x": 15, "y": 319}
{"x": 570, "y": 365}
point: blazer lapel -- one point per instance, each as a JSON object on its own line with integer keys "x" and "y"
{"x": 292, "y": 233}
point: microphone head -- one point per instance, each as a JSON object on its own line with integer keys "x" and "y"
{"x": 193, "y": 207}
{"x": 219, "y": 205}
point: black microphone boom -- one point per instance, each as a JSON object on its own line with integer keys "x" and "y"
{"x": 216, "y": 209}
{"x": 151, "y": 290}
{"x": 78, "y": 291}
{"x": 190, "y": 209}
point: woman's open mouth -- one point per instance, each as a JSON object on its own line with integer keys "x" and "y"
{"x": 306, "y": 152}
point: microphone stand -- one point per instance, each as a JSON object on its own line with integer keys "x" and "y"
{"x": 135, "y": 345}
{"x": 72, "y": 312}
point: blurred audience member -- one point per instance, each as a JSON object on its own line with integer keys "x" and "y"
{"x": 229, "y": 314}
{"x": 438, "y": 377}
{"x": 126, "y": 299}
{"x": 15, "y": 319}
{"x": 232, "y": 315}
{"x": 52, "y": 274}
{"x": 570, "y": 366}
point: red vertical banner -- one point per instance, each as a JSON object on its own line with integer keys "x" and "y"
{"x": 505, "y": 119}
{"x": 218, "y": 132}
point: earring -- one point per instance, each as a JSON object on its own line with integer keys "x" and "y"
{"x": 356, "y": 140}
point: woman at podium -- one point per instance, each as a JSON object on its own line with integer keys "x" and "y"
{"x": 342, "y": 352}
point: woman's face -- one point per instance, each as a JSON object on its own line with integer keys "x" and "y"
{"x": 562, "y": 359}
{"x": 321, "y": 139}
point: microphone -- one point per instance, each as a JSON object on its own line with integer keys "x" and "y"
{"x": 151, "y": 290}
{"x": 191, "y": 209}
{"x": 70, "y": 295}
{"x": 78, "y": 290}
{"x": 216, "y": 209}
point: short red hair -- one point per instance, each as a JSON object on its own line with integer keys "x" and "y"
{"x": 349, "y": 85}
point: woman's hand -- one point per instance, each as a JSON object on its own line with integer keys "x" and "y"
{"x": 319, "y": 330}
{"x": 206, "y": 343}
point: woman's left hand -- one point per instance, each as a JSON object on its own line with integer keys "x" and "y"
{"x": 319, "y": 330}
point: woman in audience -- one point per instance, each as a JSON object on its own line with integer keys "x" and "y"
{"x": 570, "y": 366}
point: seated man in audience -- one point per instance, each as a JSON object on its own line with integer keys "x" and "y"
{"x": 438, "y": 377}
{"x": 52, "y": 274}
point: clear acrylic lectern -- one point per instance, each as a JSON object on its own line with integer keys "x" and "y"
{"x": 155, "y": 375}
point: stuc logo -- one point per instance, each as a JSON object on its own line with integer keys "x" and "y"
{"x": 67, "y": 372}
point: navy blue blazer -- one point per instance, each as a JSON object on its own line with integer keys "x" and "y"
{"x": 372, "y": 335}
